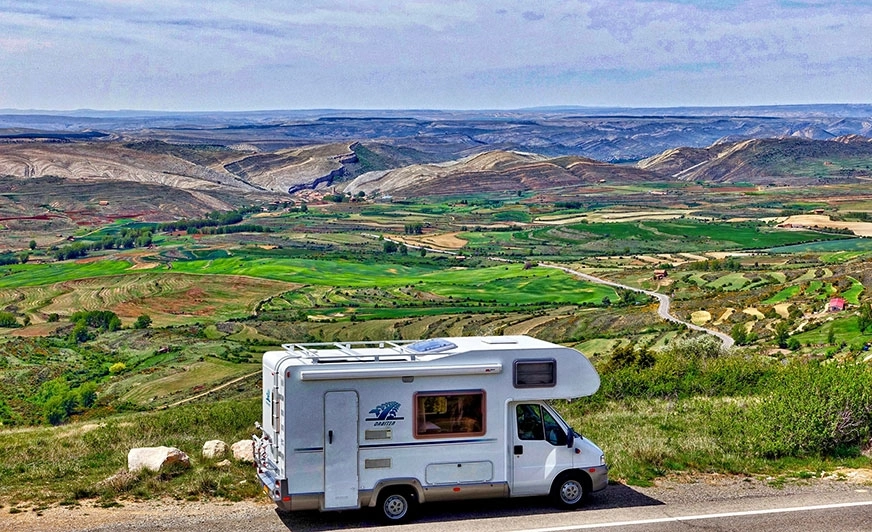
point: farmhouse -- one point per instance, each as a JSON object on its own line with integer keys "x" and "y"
{"x": 660, "y": 274}
{"x": 836, "y": 304}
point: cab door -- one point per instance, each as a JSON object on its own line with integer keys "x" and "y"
{"x": 539, "y": 451}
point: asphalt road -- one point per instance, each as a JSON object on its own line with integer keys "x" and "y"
{"x": 620, "y": 508}
{"x": 662, "y": 308}
{"x": 715, "y": 503}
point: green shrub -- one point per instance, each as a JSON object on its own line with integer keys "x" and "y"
{"x": 686, "y": 369}
{"x": 7, "y": 319}
{"x": 818, "y": 409}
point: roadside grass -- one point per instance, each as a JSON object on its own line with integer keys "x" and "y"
{"x": 731, "y": 413}
{"x": 197, "y": 376}
{"x": 695, "y": 410}
{"x": 73, "y": 462}
{"x": 645, "y": 439}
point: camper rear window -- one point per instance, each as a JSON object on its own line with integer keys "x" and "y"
{"x": 449, "y": 414}
{"x": 535, "y": 373}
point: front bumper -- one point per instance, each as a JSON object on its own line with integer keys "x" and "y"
{"x": 599, "y": 477}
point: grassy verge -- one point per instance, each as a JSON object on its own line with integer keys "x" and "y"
{"x": 690, "y": 409}
{"x": 645, "y": 439}
{"x": 43, "y": 465}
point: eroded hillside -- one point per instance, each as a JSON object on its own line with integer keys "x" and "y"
{"x": 494, "y": 171}
{"x": 773, "y": 160}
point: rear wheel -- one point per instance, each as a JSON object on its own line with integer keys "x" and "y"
{"x": 569, "y": 491}
{"x": 396, "y": 506}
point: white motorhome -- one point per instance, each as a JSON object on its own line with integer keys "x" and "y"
{"x": 393, "y": 424}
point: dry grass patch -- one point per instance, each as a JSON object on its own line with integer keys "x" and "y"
{"x": 783, "y": 310}
{"x": 725, "y": 316}
{"x": 701, "y": 317}
{"x": 752, "y": 311}
{"x": 809, "y": 221}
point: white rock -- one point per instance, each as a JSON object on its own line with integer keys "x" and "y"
{"x": 154, "y": 458}
{"x": 214, "y": 449}
{"x": 243, "y": 451}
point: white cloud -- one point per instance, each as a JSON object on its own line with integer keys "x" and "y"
{"x": 455, "y": 53}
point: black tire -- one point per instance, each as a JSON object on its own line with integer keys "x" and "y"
{"x": 569, "y": 491}
{"x": 396, "y": 506}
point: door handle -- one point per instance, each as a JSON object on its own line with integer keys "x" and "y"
{"x": 330, "y": 436}
{"x": 519, "y": 449}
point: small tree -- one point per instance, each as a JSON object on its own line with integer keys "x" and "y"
{"x": 739, "y": 334}
{"x": 864, "y": 321}
{"x": 782, "y": 333}
{"x": 142, "y": 322}
{"x": 80, "y": 333}
{"x": 87, "y": 394}
{"x": 7, "y": 319}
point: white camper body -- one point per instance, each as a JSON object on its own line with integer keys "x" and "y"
{"x": 392, "y": 424}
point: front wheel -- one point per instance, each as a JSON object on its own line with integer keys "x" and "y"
{"x": 569, "y": 491}
{"x": 396, "y": 506}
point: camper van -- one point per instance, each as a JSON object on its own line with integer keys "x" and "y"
{"x": 393, "y": 424}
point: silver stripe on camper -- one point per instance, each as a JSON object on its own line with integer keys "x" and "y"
{"x": 379, "y": 373}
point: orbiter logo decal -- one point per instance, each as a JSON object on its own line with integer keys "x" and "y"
{"x": 385, "y": 414}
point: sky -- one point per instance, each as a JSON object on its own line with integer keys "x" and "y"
{"x": 210, "y": 55}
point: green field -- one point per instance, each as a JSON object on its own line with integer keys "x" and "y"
{"x": 783, "y": 295}
{"x": 859, "y": 245}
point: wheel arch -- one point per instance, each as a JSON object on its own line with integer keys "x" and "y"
{"x": 412, "y": 484}
{"x": 580, "y": 474}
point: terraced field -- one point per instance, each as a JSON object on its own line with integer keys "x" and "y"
{"x": 168, "y": 298}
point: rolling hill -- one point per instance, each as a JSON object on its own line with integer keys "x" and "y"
{"x": 789, "y": 160}
{"x": 494, "y": 171}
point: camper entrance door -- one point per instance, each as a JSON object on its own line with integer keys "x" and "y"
{"x": 340, "y": 450}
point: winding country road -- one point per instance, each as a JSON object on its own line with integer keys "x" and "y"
{"x": 662, "y": 309}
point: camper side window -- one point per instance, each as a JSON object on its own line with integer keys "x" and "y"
{"x": 449, "y": 414}
{"x": 535, "y": 373}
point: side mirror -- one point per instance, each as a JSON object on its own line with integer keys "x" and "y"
{"x": 570, "y": 438}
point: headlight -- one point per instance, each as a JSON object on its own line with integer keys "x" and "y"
{"x": 602, "y": 459}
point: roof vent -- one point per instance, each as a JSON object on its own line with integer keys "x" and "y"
{"x": 499, "y": 340}
{"x": 436, "y": 345}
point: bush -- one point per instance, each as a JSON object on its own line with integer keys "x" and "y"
{"x": 809, "y": 409}
{"x": 7, "y": 319}
{"x": 685, "y": 369}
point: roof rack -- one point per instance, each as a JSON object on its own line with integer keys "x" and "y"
{"x": 403, "y": 350}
